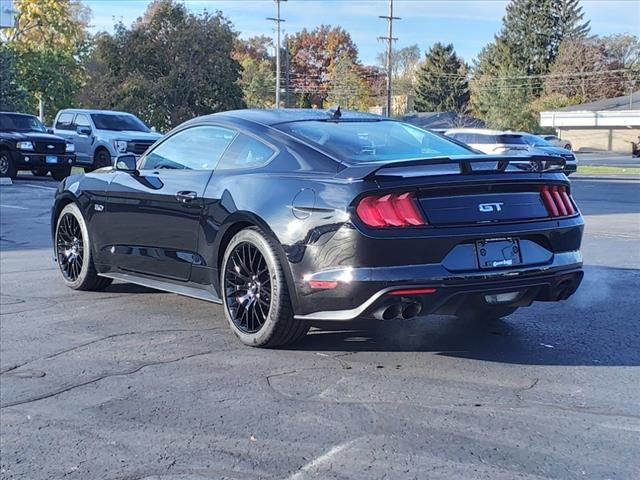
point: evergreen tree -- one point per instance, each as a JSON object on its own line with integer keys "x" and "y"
{"x": 506, "y": 73}
{"x": 441, "y": 84}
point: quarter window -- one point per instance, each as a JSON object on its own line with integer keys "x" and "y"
{"x": 65, "y": 121}
{"x": 196, "y": 148}
{"x": 246, "y": 152}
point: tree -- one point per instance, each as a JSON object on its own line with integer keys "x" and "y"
{"x": 311, "y": 55}
{"x": 404, "y": 62}
{"x": 257, "y": 48}
{"x": 507, "y": 73}
{"x": 441, "y": 84}
{"x": 347, "y": 88}
{"x": 12, "y": 97}
{"x": 583, "y": 70}
{"x": 258, "y": 83}
{"x": 170, "y": 66}
{"x": 48, "y": 42}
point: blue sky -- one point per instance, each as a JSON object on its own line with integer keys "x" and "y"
{"x": 468, "y": 24}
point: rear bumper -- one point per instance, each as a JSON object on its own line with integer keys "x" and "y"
{"x": 554, "y": 281}
{"x": 32, "y": 160}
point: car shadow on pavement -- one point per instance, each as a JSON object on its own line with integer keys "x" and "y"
{"x": 591, "y": 328}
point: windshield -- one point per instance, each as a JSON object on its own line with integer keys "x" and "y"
{"x": 118, "y": 121}
{"x": 535, "y": 141}
{"x": 15, "y": 122}
{"x": 371, "y": 141}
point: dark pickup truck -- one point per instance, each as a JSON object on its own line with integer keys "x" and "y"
{"x": 26, "y": 144}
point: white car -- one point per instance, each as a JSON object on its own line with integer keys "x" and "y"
{"x": 556, "y": 141}
{"x": 492, "y": 142}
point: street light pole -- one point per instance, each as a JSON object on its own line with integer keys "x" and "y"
{"x": 278, "y": 20}
{"x": 390, "y": 39}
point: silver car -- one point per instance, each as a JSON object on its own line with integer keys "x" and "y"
{"x": 556, "y": 141}
{"x": 100, "y": 136}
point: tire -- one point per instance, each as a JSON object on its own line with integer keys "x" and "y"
{"x": 61, "y": 174}
{"x": 7, "y": 167}
{"x": 480, "y": 311}
{"x": 567, "y": 147}
{"x": 101, "y": 159}
{"x": 39, "y": 172}
{"x": 263, "y": 315}
{"x": 73, "y": 251}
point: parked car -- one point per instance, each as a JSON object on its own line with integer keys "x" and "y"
{"x": 491, "y": 142}
{"x": 538, "y": 145}
{"x": 101, "y": 135}
{"x": 288, "y": 217}
{"x": 26, "y": 144}
{"x": 557, "y": 141}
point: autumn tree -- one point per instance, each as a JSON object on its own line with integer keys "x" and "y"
{"x": 171, "y": 65}
{"x": 442, "y": 84}
{"x": 258, "y": 81}
{"x": 47, "y": 43}
{"x": 347, "y": 88}
{"x": 311, "y": 56}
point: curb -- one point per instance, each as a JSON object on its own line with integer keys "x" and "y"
{"x": 5, "y": 181}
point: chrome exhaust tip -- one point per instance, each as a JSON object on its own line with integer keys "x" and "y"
{"x": 388, "y": 312}
{"x": 411, "y": 309}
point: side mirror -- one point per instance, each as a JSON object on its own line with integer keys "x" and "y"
{"x": 82, "y": 130}
{"x": 127, "y": 163}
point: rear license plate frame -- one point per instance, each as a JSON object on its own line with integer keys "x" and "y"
{"x": 498, "y": 253}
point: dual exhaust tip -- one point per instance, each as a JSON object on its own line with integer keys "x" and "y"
{"x": 403, "y": 310}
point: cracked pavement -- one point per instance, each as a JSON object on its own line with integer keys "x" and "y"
{"x": 131, "y": 383}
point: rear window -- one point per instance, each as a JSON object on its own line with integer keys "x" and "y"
{"x": 511, "y": 140}
{"x": 371, "y": 141}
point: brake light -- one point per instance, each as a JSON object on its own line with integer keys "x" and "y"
{"x": 391, "y": 210}
{"x": 557, "y": 201}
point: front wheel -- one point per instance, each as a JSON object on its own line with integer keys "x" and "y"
{"x": 101, "y": 159}
{"x": 73, "y": 252}
{"x": 255, "y": 295}
{"x": 7, "y": 167}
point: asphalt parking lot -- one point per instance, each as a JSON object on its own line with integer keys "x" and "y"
{"x": 131, "y": 383}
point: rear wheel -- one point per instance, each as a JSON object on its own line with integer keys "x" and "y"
{"x": 479, "y": 310}
{"x": 7, "y": 167}
{"x": 73, "y": 252}
{"x": 255, "y": 295}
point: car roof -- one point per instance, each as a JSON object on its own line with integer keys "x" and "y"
{"x": 92, "y": 110}
{"x": 275, "y": 116}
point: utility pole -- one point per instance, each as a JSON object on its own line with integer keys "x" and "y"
{"x": 278, "y": 21}
{"x": 390, "y": 39}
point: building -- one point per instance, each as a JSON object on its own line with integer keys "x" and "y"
{"x": 441, "y": 121}
{"x": 608, "y": 125}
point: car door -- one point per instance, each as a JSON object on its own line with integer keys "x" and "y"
{"x": 155, "y": 214}
{"x": 83, "y": 138}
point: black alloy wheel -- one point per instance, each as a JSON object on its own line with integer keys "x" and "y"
{"x": 248, "y": 288}
{"x": 70, "y": 247}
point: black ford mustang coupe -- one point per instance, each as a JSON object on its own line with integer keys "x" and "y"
{"x": 287, "y": 217}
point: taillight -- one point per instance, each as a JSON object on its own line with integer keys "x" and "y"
{"x": 391, "y": 210}
{"x": 557, "y": 201}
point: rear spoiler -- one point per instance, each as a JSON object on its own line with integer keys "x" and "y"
{"x": 476, "y": 164}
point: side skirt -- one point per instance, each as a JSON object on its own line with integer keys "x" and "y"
{"x": 185, "y": 290}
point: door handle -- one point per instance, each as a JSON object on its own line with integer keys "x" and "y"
{"x": 186, "y": 196}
